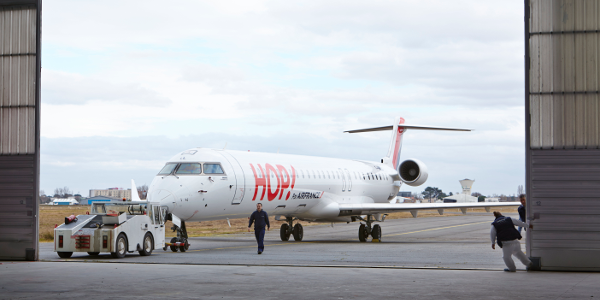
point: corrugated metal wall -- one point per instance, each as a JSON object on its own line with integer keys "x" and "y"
{"x": 564, "y": 74}
{"x": 563, "y": 138}
{"x": 19, "y": 128}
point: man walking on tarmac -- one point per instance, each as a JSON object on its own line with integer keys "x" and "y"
{"x": 503, "y": 228}
{"x": 260, "y": 219}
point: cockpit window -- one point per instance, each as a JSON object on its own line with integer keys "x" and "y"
{"x": 167, "y": 169}
{"x": 189, "y": 168}
{"x": 213, "y": 169}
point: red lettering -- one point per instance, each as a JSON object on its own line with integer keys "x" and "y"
{"x": 259, "y": 182}
{"x": 293, "y": 182}
{"x": 285, "y": 180}
{"x": 271, "y": 196}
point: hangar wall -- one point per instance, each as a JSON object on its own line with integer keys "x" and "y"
{"x": 20, "y": 66}
{"x": 562, "y": 51}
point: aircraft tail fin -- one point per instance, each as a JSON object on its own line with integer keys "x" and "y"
{"x": 134, "y": 193}
{"x": 398, "y": 129}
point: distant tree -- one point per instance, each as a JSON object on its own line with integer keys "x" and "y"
{"x": 63, "y": 192}
{"x": 143, "y": 191}
{"x": 450, "y": 194}
{"x": 481, "y": 199}
{"x": 442, "y": 195}
{"x": 476, "y": 194}
{"x": 431, "y": 193}
{"x": 520, "y": 190}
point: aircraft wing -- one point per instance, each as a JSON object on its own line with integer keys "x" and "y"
{"x": 354, "y": 209}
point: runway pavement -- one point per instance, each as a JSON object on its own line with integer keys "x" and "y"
{"x": 439, "y": 258}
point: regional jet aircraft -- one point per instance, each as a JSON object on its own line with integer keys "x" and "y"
{"x": 203, "y": 184}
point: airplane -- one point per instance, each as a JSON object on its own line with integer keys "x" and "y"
{"x": 202, "y": 184}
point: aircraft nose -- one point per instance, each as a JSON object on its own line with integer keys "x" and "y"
{"x": 163, "y": 197}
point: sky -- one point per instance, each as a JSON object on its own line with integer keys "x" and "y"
{"x": 127, "y": 85}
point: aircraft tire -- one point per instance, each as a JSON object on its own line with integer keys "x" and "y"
{"x": 64, "y": 254}
{"x": 298, "y": 232}
{"x": 376, "y": 232}
{"x": 362, "y": 233}
{"x": 185, "y": 246}
{"x": 283, "y": 232}
{"x": 174, "y": 248}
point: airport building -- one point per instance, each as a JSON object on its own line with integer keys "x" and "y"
{"x": 465, "y": 196}
{"x": 65, "y": 201}
{"x": 118, "y": 193}
{"x": 89, "y": 201}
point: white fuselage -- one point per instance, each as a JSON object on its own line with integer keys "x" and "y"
{"x": 304, "y": 187}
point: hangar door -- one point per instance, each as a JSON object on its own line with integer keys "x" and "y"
{"x": 19, "y": 128}
{"x": 562, "y": 42}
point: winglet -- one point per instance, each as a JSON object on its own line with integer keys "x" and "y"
{"x": 134, "y": 193}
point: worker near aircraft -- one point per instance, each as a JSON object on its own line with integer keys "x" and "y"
{"x": 260, "y": 220}
{"x": 521, "y": 210}
{"x": 503, "y": 229}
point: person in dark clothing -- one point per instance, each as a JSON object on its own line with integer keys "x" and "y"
{"x": 503, "y": 229}
{"x": 260, "y": 219}
{"x": 521, "y": 210}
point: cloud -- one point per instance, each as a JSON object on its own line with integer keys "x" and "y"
{"x": 67, "y": 88}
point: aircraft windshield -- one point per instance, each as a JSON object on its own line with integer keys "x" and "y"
{"x": 189, "y": 168}
{"x": 213, "y": 169}
{"x": 167, "y": 169}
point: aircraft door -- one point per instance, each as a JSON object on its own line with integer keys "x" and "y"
{"x": 238, "y": 176}
{"x": 349, "y": 176}
{"x": 343, "y": 180}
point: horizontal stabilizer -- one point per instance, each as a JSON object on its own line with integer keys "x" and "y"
{"x": 385, "y": 128}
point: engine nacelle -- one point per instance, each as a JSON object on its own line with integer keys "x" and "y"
{"x": 413, "y": 172}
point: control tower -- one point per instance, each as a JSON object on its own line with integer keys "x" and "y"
{"x": 466, "y": 186}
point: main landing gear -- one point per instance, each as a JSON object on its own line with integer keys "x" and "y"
{"x": 289, "y": 228}
{"x": 181, "y": 241}
{"x": 365, "y": 230}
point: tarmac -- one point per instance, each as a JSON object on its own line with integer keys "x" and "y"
{"x": 440, "y": 258}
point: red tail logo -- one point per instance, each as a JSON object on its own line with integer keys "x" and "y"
{"x": 398, "y": 144}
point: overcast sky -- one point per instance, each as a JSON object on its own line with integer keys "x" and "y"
{"x": 128, "y": 84}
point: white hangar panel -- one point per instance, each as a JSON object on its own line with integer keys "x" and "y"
{"x": 562, "y": 42}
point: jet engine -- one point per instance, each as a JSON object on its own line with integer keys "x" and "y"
{"x": 413, "y": 172}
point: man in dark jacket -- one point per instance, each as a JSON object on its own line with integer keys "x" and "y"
{"x": 521, "y": 210}
{"x": 503, "y": 229}
{"x": 260, "y": 219}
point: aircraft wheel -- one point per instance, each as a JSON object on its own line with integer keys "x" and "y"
{"x": 64, "y": 254}
{"x": 121, "y": 246}
{"x": 283, "y": 232}
{"x": 376, "y": 232}
{"x": 146, "y": 245}
{"x": 298, "y": 232}
{"x": 362, "y": 233}
{"x": 185, "y": 246}
{"x": 174, "y": 248}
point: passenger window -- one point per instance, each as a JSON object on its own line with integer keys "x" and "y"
{"x": 167, "y": 169}
{"x": 189, "y": 168}
{"x": 213, "y": 169}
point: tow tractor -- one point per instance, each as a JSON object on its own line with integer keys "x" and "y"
{"x": 116, "y": 227}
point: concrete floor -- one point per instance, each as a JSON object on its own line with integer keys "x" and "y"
{"x": 443, "y": 258}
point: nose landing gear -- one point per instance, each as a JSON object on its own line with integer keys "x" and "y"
{"x": 179, "y": 243}
{"x": 289, "y": 228}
